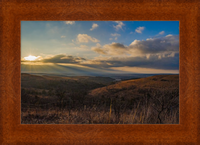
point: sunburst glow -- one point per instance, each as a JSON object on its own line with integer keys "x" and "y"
{"x": 31, "y": 58}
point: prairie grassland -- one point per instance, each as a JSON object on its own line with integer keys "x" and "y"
{"x": 101, "y": 116}
{"x": 151, "y": 100}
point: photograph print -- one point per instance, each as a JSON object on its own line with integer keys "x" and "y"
{"x": 99, "y": 72}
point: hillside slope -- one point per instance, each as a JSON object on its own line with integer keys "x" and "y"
{"x": 137, "y": 87}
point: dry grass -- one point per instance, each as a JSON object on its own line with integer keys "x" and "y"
{"x": 92, "y": 116}
{"x": 152, "y": 100}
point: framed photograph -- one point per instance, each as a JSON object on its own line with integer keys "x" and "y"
{"x": 100, "y": 72}
{"x": 122, "y": 72}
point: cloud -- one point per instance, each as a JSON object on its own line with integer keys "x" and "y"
{"x": 153, "y": 61}
{"x": 62, "y": 36}
{"x": 84, "y": 38}
{"x": 94, "y": 26}
{"x": 152, "y": 53}
{"x": 158, "y": 46}
{"x": 62, "y": 58}
{"x": 169, "y": 35}
{"x": 111, "y": 49}
{"x": 70, "y": 22}
{"x": 119, "y": 25}
{"x": 110, "y": 39}
{"x": 155, "y": 45}
{"x": 139, "y": 30}
{"x": 161, "y": 33}
{"x": 156, "y": 53}
{"x": 31, "y": 58}
{"x": 98, "y": 49}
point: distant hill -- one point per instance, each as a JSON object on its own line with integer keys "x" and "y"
{"x": 137, "y": 87}
{"x": 46, "y": 82}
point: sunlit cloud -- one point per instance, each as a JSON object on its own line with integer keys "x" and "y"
{"x": 161, "y": 33}
{"x": 84, "y": 38}
{"x": 153, "y": 61}
{"x": 139, "y": 30}
{"x": 169, "y": 35}
{"x": 31, "y": 58}
{"x": 155, "y": 45}
{"x": 162, "y": 45}
{"x": 62, "y": 58}
{"x": 94, "y": 26}
{"x": 70, "y": 22}
{"x": 108, "y": 48}
{"x": 119, "y": 25}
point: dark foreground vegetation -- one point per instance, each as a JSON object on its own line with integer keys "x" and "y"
{"x": 99, "y": 100}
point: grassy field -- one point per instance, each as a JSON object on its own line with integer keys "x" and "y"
{"x": 99, "y": 100}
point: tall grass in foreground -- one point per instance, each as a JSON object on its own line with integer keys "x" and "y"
{"x": 91, "y": 116}
{"x": 153, "y": 107}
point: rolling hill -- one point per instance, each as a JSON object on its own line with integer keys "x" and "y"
{"x": 137, "y": 87}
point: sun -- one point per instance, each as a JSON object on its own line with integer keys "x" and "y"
{"x": 30, "y": 58}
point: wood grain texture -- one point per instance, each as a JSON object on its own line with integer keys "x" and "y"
{"x": 185, "y": 11}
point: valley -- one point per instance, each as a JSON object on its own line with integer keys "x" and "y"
{"x": 130, "y": 99}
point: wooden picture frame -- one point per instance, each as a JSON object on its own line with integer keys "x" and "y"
{"x": 185, "y": 11}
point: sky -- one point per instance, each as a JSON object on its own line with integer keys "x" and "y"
{"x": 83, "y": 47}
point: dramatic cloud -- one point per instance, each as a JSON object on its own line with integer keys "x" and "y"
{"x": 168, "y": 62}
{"x": 159, "y": 46}
{"x": 62, "y": 36}
{"x": 70, "y": 22}
{"x": 94, "y": 26}
{"x": 62, "y": 58}
{"x": 139, "y": 30}
{"x": 156, "y": 53}
{"x": 86, "y": 38}
{"x": 155, "y": 46}
{"x": 119, "y": 25}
